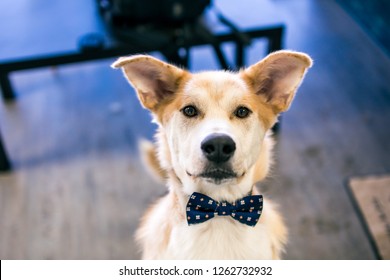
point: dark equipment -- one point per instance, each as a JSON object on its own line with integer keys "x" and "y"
{"x": 169, "y": 25}
{"x": 127, "y": 13}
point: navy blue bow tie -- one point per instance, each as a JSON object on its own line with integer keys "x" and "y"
{"x": 201, "y": 208}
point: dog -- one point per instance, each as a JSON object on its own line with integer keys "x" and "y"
{"x": 213, "y": 145}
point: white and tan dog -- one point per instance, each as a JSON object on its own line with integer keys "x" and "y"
{"x": 213, "y": 139}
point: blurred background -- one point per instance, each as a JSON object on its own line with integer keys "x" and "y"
{"x": 77, "y": 188}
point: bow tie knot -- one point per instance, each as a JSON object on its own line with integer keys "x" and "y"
{"x": 223, "y": 209}
{"x": 201, "y": 208}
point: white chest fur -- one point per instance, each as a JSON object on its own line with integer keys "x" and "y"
{"x": 219, "y": 238}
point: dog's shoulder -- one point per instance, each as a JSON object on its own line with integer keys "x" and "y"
{"x": 154, "y": 231}
{"x": 275, "y": 226}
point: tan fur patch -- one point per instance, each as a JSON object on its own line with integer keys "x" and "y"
{"x": 149, "y": 156}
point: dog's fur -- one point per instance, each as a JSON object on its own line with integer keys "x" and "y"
{"x": 266, "y": 89}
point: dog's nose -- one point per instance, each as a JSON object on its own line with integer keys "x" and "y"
{"x": 218, "y": 147}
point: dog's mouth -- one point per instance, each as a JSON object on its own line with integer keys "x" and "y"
{"x": 217, "y": 175}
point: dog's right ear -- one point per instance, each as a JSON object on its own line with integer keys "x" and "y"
{"x": 155, "y": 81}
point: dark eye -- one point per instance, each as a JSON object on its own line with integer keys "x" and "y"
{"x": 242, "y": 112}
{"x": 190, "y": 111}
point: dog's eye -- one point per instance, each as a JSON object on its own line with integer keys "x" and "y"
{"x": 190, "y": 111}
{"x": 242, "y": 112}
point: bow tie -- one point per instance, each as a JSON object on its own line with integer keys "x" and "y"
{"x": 201, "y": 208}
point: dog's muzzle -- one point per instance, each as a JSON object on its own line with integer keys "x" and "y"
{"x": 218, "y": 148}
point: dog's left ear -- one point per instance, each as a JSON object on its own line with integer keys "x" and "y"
{"x": 155, "y": 81}
{"x": 277, "y": 77}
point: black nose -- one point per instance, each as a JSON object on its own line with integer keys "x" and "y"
{"x": 218, "y": 147}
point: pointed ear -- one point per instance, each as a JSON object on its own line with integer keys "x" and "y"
{"x": 155, "y": 81}
{"x": 277, "y": 77}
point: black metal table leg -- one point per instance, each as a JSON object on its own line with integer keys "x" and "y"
{"x": 275, "y": 41}
{"x": 6, "y": 87}
{"x": 209, "y": 37}
{"x": 4, "y": 162}
{"x": 240, "y": 54}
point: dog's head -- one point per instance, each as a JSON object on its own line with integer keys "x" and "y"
{"x": 214, "y": 123}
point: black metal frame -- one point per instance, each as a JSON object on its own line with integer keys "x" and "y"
{"x": 200, "y": 35}
{"x": 4, "y": 162}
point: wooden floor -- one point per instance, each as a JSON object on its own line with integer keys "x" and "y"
{"x": 78, "y": 188}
